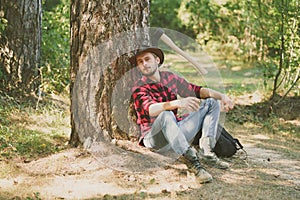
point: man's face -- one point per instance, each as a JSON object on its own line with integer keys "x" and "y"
{"x": 147, "y": 63}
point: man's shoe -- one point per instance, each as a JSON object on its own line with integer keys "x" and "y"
{"x": 212, "y": 159}
{"x": 207, "y": 154}
{"x": 191, "y": 156}
{"x": 203, "y": 176}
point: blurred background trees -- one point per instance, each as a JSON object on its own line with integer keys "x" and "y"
{"x": 264, "y": 33}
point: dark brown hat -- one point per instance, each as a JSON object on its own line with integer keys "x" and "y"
{"x": 144, "y": 49}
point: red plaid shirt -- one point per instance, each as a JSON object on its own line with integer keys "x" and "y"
{"x": 146, "y": 92}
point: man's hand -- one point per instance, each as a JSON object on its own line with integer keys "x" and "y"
{"x": 190, "y": 103}
{"x": 226, "y": 103}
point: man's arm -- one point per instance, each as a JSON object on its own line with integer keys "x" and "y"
{"x": 226, "y": 102}
{"x": 209, "y": 93}
{"x": 189, "y": 103}
{"x": 156, "y": 108}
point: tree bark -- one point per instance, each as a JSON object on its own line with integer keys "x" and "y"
{"x": 102, "y": 36}
{"x": 20, "y": 46}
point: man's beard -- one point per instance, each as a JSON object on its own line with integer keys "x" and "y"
{"x": 151, "y": 73}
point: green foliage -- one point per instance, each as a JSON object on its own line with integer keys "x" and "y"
{"x": 265, "y": 33}
{"x": 56, "y": 47}
{"x": 164, "y": 14}
{"x": 3, "y": 24}
{"x": 36, "y": 196}
{"x": 202, "y": 17}
{"x": 279, "y": 28}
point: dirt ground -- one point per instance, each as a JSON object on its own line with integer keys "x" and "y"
{"x": 130, "y": 172}
{"x": 269, "y": 168}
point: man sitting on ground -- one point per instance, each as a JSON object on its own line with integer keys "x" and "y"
{"x": 156, "y": 105}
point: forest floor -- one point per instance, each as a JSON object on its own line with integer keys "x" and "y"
{"x": 123, "y": 170}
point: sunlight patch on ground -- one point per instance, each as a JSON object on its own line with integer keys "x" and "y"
{"x": 238, "y": 68}
{"x": 260, "y": 137}
{"x": 50, "y": 123}
{"x": 295, "y": 122}
{"x": 249, "y": 99}
{"x": 6, "y": 183}
{"x": 79, "y": 188}
{"x": 261, "y": 155}
{"x": 251, "y": 125}
{"x": 77, "y": 174}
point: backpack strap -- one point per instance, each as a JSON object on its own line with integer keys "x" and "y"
{"x": 240, "y": 146}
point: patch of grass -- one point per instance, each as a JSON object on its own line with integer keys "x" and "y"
{"x": 239, "y": 77}
{"x": 27, "y": 143}
{"x": 21, "y": 136}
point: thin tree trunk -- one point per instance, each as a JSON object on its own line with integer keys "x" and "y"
{"x": 276, "y": 83}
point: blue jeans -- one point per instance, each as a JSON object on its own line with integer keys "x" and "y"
{"x": 166, "y": 133}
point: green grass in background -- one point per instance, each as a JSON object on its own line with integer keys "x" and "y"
{"x": 22, "y": 130}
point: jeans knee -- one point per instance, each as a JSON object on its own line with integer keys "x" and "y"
{"x": 214, "y": 103}
{"x": 167, "y": 116}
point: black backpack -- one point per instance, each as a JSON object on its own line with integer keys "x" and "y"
{"x": 226, "y": 145}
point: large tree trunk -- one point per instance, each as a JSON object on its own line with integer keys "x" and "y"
{"x": 102, "y": 35}
{"x": 20, "y": 46}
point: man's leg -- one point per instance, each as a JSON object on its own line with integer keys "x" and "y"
{"x": 206, "y": 118}
{"x": 209, "y": 136}
{"x": 164, "y": 132}
{"x": 210, "y": 126}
